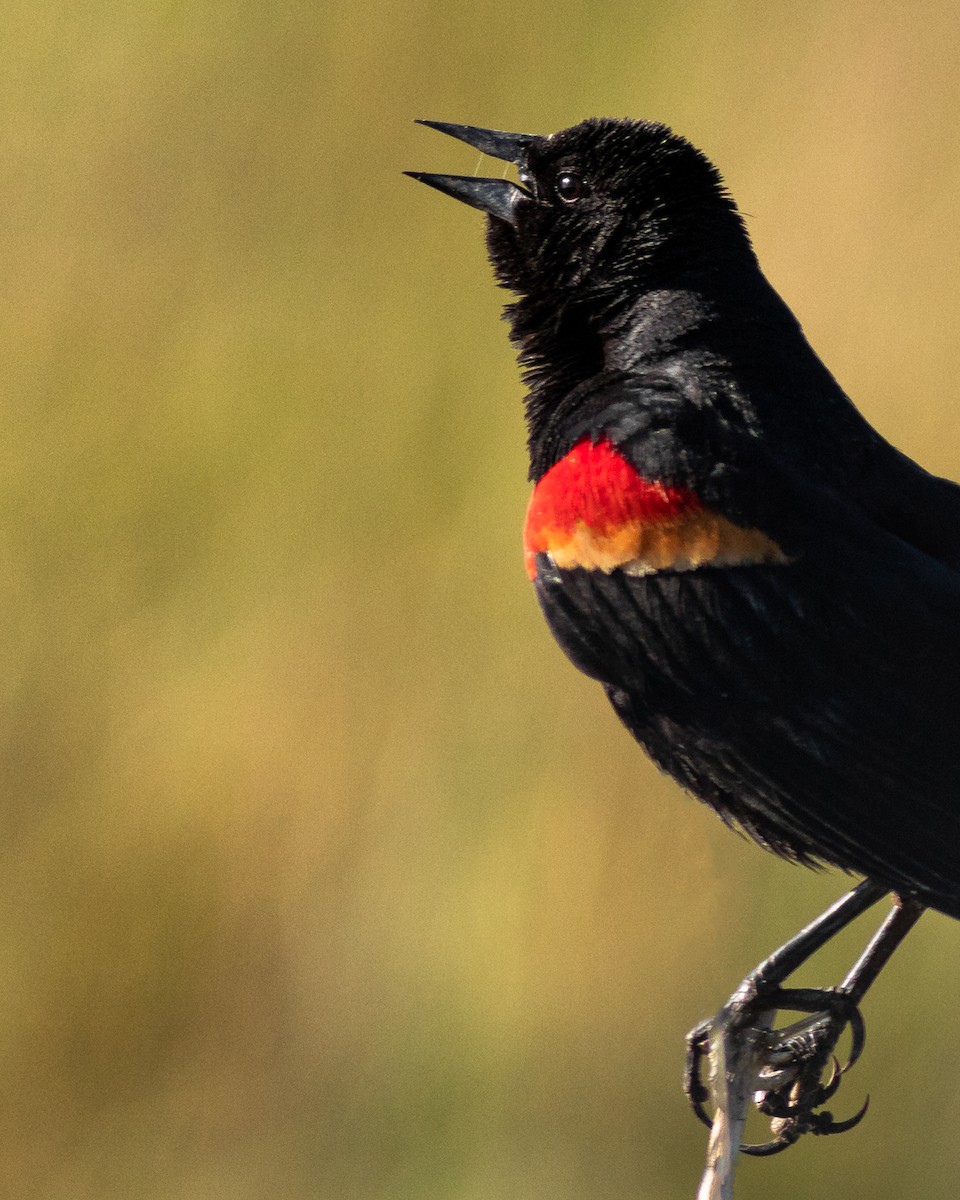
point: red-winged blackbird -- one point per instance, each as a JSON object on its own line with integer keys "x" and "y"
{"x": 767, "y": 590}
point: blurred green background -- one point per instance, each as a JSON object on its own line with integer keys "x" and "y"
{"x": 323, "y": 873}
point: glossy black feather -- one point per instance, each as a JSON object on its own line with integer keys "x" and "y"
{"x": 816, "y": 701}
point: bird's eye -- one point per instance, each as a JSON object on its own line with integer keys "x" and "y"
{"x": 569, "y": 187}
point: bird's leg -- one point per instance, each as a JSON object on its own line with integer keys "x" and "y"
{"x": 785, "y": 1067}
{"x": 751, "y": 1000}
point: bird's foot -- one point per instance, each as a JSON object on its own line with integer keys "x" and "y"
{"x": 788, "y": 1073}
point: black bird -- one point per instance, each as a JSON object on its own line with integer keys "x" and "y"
{"x": 767, "y": 590}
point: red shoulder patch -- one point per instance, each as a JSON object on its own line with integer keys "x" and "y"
{"x": 593, "y": 510}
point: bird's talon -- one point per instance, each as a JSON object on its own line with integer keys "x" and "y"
{"x": 828, "y": 1089}
{"x": 790, "y": 1091}
{"x": 701, "y": 1113}
{"x": 766, "y": 1149}
{"x": 697, "y": 1092}
{"x": 858, "y": 1032}
{"x": 824, "y": 1124}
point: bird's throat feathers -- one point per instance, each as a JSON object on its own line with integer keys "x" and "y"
{"x": 563, "y": 347}
{"x": 594, "y": 511}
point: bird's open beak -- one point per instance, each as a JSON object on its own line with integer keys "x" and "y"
{"x": 511, "y": 147}
{"x": 498, "y": 197}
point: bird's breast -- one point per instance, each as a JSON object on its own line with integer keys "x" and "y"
{"x": 594, "y": 510}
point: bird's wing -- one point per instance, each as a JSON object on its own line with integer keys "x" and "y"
{"x": 815, "y": 699}
{"x": 920, "y": 508}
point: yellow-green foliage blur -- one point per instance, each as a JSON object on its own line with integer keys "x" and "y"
{"x": 323, "y": 874}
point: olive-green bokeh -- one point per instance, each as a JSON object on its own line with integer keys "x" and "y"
{"x": 324, "y": 875}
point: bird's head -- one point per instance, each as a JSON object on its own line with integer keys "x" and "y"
{"x": 603, "y": 211}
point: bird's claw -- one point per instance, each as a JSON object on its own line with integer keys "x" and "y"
{"x": 789, "y": 1129}
{"x": 791, "y": 1087}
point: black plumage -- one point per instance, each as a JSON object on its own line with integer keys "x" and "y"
{"x": 813, "y": 700}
